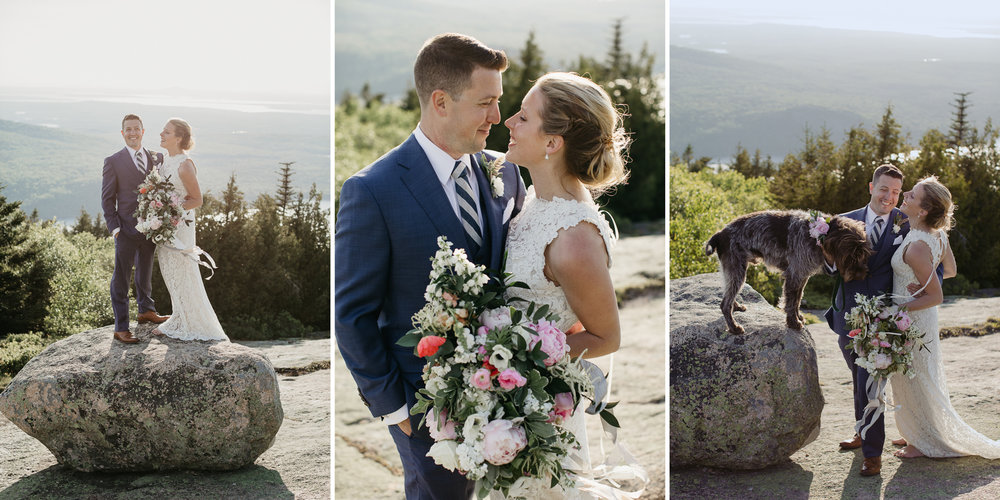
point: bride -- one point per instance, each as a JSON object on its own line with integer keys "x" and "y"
{"x": 193, "y": 317}
{"x": 568, "y": 135}
{"x": 929, "y": 424}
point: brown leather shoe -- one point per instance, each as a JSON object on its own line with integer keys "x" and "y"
{"x": 126, "y": 337}
{"x": 151, "y": 317}
{"x": 851, "y": 444}
{"x": 872, "y": 466}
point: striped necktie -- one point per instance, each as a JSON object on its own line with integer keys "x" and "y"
{"x": 141, "y": 165}
{"x": 877, "y": 232}
{"x": 467, "y": 206}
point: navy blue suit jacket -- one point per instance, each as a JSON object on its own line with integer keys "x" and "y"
{"x": 879, "y": 279}
{"x": 119, "y": 190}
{"x": 391, "y": 214}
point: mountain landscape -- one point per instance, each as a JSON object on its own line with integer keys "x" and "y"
{"x": 53, "y": 150}
{"x": 762, "y": 85}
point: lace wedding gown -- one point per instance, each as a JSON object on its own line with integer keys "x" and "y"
{"x": 192, "y": 317}
{"x": 926, "y": 418}
{"x": 531, "y": 231}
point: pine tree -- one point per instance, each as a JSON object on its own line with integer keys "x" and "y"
{"x": 24, "y": 280}
{"x": 960, "y": 128}
{"x": 285, "y": 192}
{"x": 888, "y": 134}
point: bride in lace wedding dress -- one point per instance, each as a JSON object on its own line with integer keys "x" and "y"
{"x": 192, "y": 317}
{"x": 929, "y": 424}
{"x": 568, "y": 136}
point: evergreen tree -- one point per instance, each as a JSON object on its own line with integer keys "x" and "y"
{"x": 284, "y": 195}
{"x": 889, "y": 138}
{"x": 960, "y": 128}
{"x": 24, "y": 280}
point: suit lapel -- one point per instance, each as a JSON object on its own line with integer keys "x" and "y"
{"x": 420, "y": 180}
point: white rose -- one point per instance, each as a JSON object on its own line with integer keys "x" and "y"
{"x": 444, "y": 454}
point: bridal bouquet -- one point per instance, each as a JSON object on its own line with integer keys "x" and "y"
{"x": 883, "y": 337}
{"x": 498, "y": 381}
{"x": 160, "y": 211}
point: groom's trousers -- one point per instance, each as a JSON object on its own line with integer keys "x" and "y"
{"x": 425, "y": 480}
{"x": 874, "y": 440}
{"x": 132, "y": 251}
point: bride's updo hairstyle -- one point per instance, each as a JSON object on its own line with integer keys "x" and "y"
{"x": 582, "y": 113}
{"x": 183, "y": 130}
{"x": 937, "y": 202}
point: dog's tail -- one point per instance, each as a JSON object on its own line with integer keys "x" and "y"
{"x": 714, "y": 243}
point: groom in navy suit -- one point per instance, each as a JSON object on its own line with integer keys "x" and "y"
{"x": 391, "y": 214}
{"x": 886, "y": 226}
{"x": 123, "y": 172}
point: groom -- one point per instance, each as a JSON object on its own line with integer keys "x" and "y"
{"x": 391, "y": 214}
{"x": 123, "y": 172}
{"x": 886, "y": 227}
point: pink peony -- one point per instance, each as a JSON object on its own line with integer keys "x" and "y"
{"x": 493, "y": 319}
{"x": 481, "y": 379}
{"x": 429, "y": 345}
{"x": 440, "y": 427}
{"x": 510, "y": 379}
{"x": 155, "y": 223}
{"x": 562, "y": 407}
{"x": 884, "y": 343}
{"x": 904, "y": 321}
{"x": 502, "y": 440}
{"x": 552, "y": 339}
{"x": 882, "y": 361}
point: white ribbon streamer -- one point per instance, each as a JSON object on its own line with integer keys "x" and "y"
{"x": 195, "y": 254}
{"x": 604, "y": 480}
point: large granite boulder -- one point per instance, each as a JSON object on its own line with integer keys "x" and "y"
{"x": 737, "y": 401}
{"x": 161, "y": 404}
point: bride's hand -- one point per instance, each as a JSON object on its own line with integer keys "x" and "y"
{"x": 913, "y": 288}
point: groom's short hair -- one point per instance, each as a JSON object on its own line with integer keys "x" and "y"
{"x": 130, "y": 117}
{"x": 887, "y": 169}
{"x": 447, "y": 61}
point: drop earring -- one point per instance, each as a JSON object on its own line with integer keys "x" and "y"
{"x": 546, "y": 156}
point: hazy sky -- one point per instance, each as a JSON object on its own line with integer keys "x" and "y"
{"x": 926, "y": 17}
{"x": 234, "y": 46}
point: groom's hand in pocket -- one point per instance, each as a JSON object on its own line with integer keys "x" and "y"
{"x": 405, "y": 427}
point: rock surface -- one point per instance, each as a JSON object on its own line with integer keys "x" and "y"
{"x": 161, "y": 404}
{"x": 737, "y": 402}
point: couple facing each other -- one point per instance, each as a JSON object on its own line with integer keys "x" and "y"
{"x": 193, "y": 317}
{"x": 567, "y": 134}
{"x": 911, "y": 257}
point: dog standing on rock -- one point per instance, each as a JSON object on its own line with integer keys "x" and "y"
{"x": 794, "y": 242}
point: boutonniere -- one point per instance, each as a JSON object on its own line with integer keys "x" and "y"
{"x": 897, "y": 223}
{"x": 819, "y": 225}
{"x": 156, "y": 159}
{"x": 492, "y": 170}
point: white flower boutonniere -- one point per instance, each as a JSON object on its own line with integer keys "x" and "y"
{"x": 493, "y": 169}
{"x": 156, "y": 159}
{"x": 897, "y": 223}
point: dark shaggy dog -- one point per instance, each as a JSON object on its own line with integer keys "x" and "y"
{"x": 782, "y": 241}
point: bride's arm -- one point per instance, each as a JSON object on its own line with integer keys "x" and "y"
{"x": 187, "y": 174}
{"x": 578, "y": 262}
{"x": 948, "y": 261}
{"x": 918, "y": 256}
